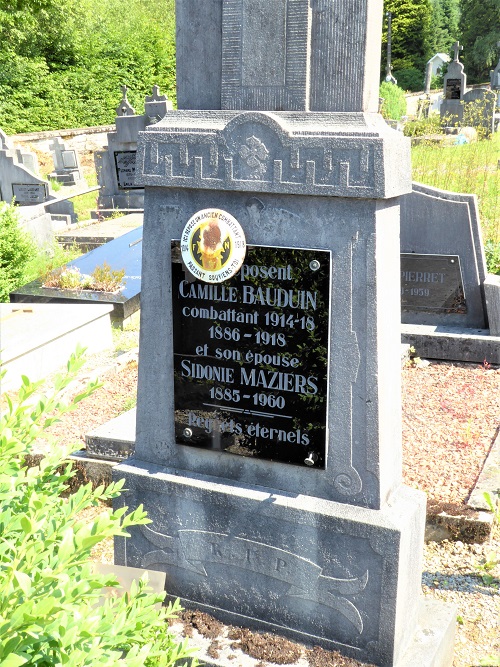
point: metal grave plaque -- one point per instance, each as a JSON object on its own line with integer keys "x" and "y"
{"x": 250, "y": 356}
{"x": 125, "y": 170}
{"x": 29, "y": 193}
{"x": 432, "y": 283}
{"x": 453, "y": 87}
{"x": 69, "y": 159}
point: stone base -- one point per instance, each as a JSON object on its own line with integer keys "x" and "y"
{"x": 323, "y": 573}
{"x": 114, "y": 440}
{"x": 452, "y": 343}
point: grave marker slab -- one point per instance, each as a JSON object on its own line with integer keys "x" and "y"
{"x": 455, "y": 85}
{"x": 432, "y": 283}
{"x": 125, "y": 169}
{"x": 251, "y": 333}
{"x": 27, "y": 194}
{"x": 115, "y": 164}
{"x": 455, "y": 319}
{"x": 18, "y": 177}
{"x": 66, "y": 164}
{"x": 124, "y": 252}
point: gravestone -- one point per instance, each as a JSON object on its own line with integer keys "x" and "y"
{"x": 479, "y": 110}
{"x": 455, "y": 84}
{"x": 268, "y": 448}
{"x": 115, "y": 164}
{"x": 67, "y": 168}
{"x": 16, "y": 179}
{"x": 445, "y": 313}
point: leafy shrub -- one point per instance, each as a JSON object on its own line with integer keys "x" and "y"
{"x": 423, "y": 126}
{"x": 492, "y": 252}
{"x": 410, "y": 79}
{"x": 437, "y": 81}
{"x": 394, "y": 104}
{"x": 107, "y": 279}
{"x": 17, "y": 248}
{"x": 49, "y": 594}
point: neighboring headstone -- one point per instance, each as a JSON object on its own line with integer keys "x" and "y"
{"x": 67, "y": 168}
{"x": 268, "y": 450}
{"x": 28, "y": 159}
{"x": 492, "y": 296}
{"x": 115, "y": 164}
{"x": 443, "y": 274}
{"x": 455, "y": 84}
{"x": 479, "y": 110}
{"x": 16, "y": 180}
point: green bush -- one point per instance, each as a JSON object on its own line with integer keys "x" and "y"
{"x": 410, "y": 79}
{"x": 492, "y": 252}
{"x": 17, "y": 249}
{"x": 50, "y": 611}
{"x": 394, "y": 101}
{"x": 418, "y": 128}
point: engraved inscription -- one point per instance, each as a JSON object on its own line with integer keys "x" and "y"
{"x": 250, "y": 357}
{"x": 190, "y": 549}
{"x": 432, "y": 283}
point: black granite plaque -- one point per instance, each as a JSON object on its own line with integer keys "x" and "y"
{"x": 125, "y": 170}
{"x": 432, "y": 283}
{"x": 250, "y": 356}
{"x": 452, "y": 91}
{"x": 27, "y": 194}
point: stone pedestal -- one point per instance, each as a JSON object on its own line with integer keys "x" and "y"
{"x": 319, "y": 572}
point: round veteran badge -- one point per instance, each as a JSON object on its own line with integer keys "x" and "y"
{"x": 213, "y": 245}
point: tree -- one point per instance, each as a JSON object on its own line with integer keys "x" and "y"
{"x": 480, "y": 25}
{"x": 411, "y": 24}
{"x": 444, "y": 25}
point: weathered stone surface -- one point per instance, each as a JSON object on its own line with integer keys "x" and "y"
{"x": 346, "y": 155}
{"x": 318, "y": 571}
{"x": 452, "y": 343}
{"x": 436, "y": 222}
{"x": 278, "y": 56}
{"x": 362, "y": 468}
{"x": 492, "y": 296}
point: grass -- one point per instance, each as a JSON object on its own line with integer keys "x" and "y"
{"x": 84, "y": 204}
{"x": 48, "y": 259}
{"x": 470, "y": 168}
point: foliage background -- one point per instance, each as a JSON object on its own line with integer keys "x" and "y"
{"x": 62, "y": 62}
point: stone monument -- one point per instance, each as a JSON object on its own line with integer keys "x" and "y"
{"x": 268, "y": 445}
{"x": 115, "y": 165}
{"x": 455, "y": 85}
{"x": 17, "y": 181}
{"x": 67, "y": 168}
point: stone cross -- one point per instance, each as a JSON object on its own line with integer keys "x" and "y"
{"x": 457, "y": 47}
{"x": 125, "y": 108}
